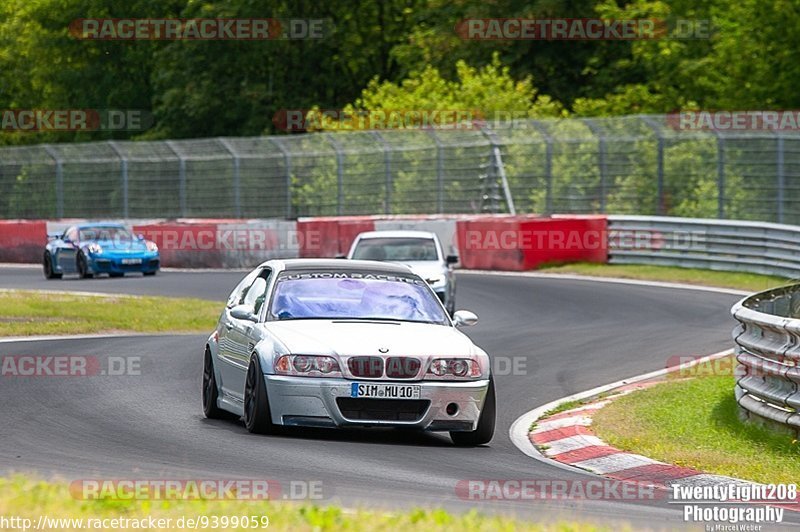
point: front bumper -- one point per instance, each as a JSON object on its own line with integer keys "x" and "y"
{"x": 112, "y": 264}
{"x": 312, "y": 402}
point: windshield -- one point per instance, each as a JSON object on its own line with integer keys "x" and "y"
{"x": 105, "y": 233}
{"x": 353, "y": 295}
{"x": 396, "y": 249}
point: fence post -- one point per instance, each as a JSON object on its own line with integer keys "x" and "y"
{"x": 59, "y": 179}
{"x": 501, "y": 169}
{"x": 237, "y": 186}
{"x": 181, "y": 176}
{"x": 439, "y": 171}
{"x": 781, "y": 177}
{"x": 387, "y": 161}
{"x": 123, "y": 176}
{"x": 720, "y": 174}
{"x": 548, "y": 165}
{"x": 601, "y": 159}
{"x": 339, "y": 173}
{"x": 660, "y": 204}
{"x": 287, "y": 163}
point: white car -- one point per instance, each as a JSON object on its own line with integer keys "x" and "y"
{"x": 420, "y": 250}
{"x": 333, "y": 343}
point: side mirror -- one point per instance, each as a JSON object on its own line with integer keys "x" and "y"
{"x": 140, "y": 236}
{"x": 452, "y": 259}
{"x": 244, "y": 312}
{"x": 464, "y": 318}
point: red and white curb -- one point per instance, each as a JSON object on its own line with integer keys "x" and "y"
{"x": 566, "y": 440}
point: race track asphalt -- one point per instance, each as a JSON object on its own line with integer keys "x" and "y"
{"x": 571, "y": 335}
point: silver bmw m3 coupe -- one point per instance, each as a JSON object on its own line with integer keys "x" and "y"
{"x": 332, "y": 343}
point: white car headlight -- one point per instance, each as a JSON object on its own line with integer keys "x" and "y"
{"x": 454, "y": 368}
{"x": 94, "y": 249}
{"x": 151, "y": 246}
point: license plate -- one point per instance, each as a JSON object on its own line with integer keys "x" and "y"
{"x": 131, "y": 261}
{"x": 384, "y": 391}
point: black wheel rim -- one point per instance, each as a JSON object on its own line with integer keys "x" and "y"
{"x": 48, "y": 269}
{"x": 249, "y": 400}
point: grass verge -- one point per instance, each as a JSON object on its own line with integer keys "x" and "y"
{"x": 742, "y": 281}
{"x": 694, "y": 423}
{"x": 25, "y": 313}
{"x": 29, "y": 499}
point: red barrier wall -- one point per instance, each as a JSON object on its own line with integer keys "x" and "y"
{"x": 525, "y": 243}
{"x": 22, "y": 240}
{"x": 329, "y": 237}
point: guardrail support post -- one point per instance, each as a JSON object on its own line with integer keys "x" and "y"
{"x": 387, "y": 162}
{"x": 181, "y": 177}
{"x": 339, "y": 174}
{"x": 287, "y": 163}
{"x": 601, "y": 160}
{"x": 439, "y": 171}
{"x": 59, "y": 179}
{"x": 500, "y": 167}
{"x": 548, "y": 166}
{"x": 660, "y": 204}
{"x": 781, "y": 186}
{"x": 720, "y": 176}
{"x": 124, "y": 177}
{"x": 237, "y": 187}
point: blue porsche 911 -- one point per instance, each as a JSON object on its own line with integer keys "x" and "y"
{"x": 90, "y": 249}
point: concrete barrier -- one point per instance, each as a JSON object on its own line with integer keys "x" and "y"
{"x": 496, "y": 242}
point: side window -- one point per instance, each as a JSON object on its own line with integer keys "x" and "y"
{"x": 256, "y": 293}
{"x": 237, "y": 294}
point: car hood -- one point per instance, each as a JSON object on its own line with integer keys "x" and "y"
{"x": 122, "y": 246}
{"x": 429, "y": 269}
{"x": 350, "y": 338}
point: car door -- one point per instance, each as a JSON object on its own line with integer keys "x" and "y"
{"x": 240, "y": 336}
{"x": 66, "y": 251}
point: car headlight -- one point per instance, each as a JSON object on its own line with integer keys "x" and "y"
{"x": 151, "y": 246}
{"x": 308, "y": 366}
{"x": 454, "y": 369}
{"x": 94, "y": 249}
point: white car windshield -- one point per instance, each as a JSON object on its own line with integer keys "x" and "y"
{"x": 354, "y": 295}
{"x": 396, "y": 249}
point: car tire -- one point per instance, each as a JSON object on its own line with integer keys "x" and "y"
{"x": 485, "y": 431}
{"x": 47, "y": 265}
{"x": 257, "y": 416}
{"x": 150, "y": 274}
{"x": 116, "y": 274}
{"x": 82, "y": 266}
{"x": 210, "y": 390}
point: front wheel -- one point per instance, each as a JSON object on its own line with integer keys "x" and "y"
{"x": 148, "y": 274}
{"x": 483, "y": 434}
{"x": 83, "y": 266}
{"x": 47, "y": 265}
{"x": 116, "y": 274}
{"x": 257, "y": 417}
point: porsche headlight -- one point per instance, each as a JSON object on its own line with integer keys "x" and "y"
{"x": 94, "y": 249}
{"x": 151, "y": 246}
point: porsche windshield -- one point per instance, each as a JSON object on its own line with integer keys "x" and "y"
{"x": 350, "y": 295}
{"x": 112, "y": 233}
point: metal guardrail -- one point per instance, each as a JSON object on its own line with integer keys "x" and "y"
{"x": 754, "y": 247}
{"x": 768, "y": 351}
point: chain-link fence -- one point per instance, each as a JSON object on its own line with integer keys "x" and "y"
{"x": 622, "y": 165}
